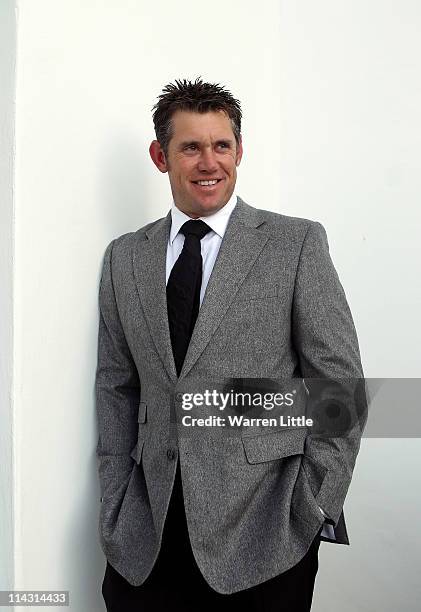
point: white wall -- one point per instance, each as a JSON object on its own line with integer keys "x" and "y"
{"x": 350, "y": 142}
{"x": 330, "y": 93}
{"x": 88, "y": 76}
{"x": 7, "y": 100}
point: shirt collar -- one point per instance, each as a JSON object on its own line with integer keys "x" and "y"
{"x": 218, "y": 221}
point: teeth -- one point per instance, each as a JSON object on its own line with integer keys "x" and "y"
{"x": 207, "y": 182}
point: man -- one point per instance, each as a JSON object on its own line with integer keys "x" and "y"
{"x": 215, "y": 289}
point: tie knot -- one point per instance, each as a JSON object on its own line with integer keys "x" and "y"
{"x": 196, "y": 228}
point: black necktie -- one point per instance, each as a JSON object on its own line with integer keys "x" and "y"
{"x": 183, "y": 290}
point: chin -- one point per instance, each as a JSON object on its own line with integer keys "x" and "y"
{"x": 212, "y": 203}
{"x": 210, "y": 208}
{"x": 202, "y": 208}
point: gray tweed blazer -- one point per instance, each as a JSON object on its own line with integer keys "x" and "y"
{"x": 274, "y": 308}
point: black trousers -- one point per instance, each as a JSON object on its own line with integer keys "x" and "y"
{"x": 177, "y": 585}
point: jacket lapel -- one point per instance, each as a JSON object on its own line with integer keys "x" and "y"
{"x": 240, "y": 247}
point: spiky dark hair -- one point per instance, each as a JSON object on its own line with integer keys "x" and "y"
{"x": 196, "y": 97}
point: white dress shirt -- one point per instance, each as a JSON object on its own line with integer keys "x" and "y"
{"x": 209, "y": 245}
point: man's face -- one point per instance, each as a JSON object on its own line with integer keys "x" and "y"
{"x": 202, "y": 148}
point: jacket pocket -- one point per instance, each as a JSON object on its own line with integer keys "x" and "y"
{"x": 273, "y": 445}
{"x": 257, "y": 291}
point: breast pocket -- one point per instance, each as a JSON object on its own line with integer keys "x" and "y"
{"x": 257, "y": 291}
{"x": 252, "y": 324}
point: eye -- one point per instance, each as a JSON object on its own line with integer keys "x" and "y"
{"x": 191, "y": 147}
{"x": 223, "y": 145}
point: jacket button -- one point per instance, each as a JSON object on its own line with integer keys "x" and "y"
{"x": 171, "y": 454}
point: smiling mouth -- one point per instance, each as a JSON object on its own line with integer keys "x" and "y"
{"x": 207, "y": 184}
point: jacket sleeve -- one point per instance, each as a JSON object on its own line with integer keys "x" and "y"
{"x": 117, "y": 389}
{"x": 326, "y": 343}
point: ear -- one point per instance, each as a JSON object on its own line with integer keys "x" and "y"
{"x": 239, "y": 152}
{"x": 158, "y": 156}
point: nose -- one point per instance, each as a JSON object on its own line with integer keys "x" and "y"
{"x": 207, "y": 161}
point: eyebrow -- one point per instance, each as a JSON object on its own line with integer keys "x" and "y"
{"x": 187, "y": 143}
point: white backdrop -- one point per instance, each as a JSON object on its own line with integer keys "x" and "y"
{"x": 331, "y": 95}
{"x": 7, "y": 111}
